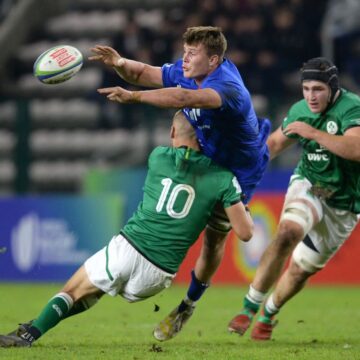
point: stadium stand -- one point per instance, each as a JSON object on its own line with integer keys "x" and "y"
{"x": 67, "y": 128}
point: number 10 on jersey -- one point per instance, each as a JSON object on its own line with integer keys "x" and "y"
{"x": 169, "y": 199}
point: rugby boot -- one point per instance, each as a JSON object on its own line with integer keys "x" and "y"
{"x": 172, "y": 324}
{"x": 240, "y": 323}
{"x": 263, "y": 328}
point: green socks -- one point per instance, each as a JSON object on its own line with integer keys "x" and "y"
{"x": 55, "y": 310}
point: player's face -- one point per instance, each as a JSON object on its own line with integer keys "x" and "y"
{"x": 316, "y": 95}
{"x": 196, "y": 62}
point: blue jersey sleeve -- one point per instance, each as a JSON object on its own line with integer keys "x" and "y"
{"x": 227, "y": 82}
{"x": 229, "y": 92}
{"x": 172, "y": 74}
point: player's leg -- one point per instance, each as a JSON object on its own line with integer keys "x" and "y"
{"x": 58, "y": 308}
{"x": 310, "y": 256}
{"x": 271, "y": 264}
{"x": 210, "y": 257}
{"x": 291, "y": 282}
{"x": 300, "y": 213}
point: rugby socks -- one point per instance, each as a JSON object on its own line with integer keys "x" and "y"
{"x": 54, "y": 311}
{"x": 195, "y": 291}
{"x": 270, "y": 309}
{"x": 252, "y": 302}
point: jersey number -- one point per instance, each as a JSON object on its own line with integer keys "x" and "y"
{"x": 172, "y": 198}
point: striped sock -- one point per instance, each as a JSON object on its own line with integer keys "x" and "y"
{"x": 270, "y": 309}
{"x": 253, "y": 300}
{"x": 54, "y": 311}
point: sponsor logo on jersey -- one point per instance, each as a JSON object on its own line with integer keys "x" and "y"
{"x": 332, "y": 127}
{"x": 317, "y": 157}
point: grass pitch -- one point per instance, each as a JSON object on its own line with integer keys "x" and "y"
{"x": 320, "y": 323}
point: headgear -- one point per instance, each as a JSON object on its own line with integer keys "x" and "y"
{"x": 322, "y": 69}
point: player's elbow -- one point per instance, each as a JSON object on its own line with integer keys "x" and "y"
{"x": 245, "y": 232}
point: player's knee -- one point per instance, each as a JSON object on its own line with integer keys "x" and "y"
{"x": 90, "y": 300}
{"x": 298, "y": 273}
{"x": 213, "y": 247}
{"x": 214, "y": 239}
{"x": 289, "y": 234}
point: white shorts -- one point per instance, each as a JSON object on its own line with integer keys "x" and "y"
{"x": 119, "y": 269}
{"x": 328, "y": 230}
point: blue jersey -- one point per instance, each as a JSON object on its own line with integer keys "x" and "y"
{"x": 231, "y": 135}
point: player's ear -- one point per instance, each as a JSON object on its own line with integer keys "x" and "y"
{"x": 213, "y": 60}
{"x": 172, "y": 132}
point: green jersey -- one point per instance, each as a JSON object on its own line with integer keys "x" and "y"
{"x": 338, "y": 177}
{"x": 181, "y": 188}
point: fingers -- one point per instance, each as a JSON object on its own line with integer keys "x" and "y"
{"x": 112, "y": 93}
{"x": 104, "y": 50}
{"x": 97, "y": 57}
{"x": 105, "y": 91}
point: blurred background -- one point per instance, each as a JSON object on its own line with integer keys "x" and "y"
{"x": 62, "y": 146}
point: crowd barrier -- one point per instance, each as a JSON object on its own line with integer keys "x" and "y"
{"x": 48, "y": 238}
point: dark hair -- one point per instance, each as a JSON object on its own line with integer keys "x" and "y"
{"x": 322, "y": 69}
{"x": 211, "y": 37}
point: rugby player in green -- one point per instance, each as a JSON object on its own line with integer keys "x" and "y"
{"x": 180, "y": 192}
{"x": 323, "y": 198}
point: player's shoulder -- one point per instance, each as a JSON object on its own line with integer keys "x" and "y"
{"x": 348, "y": 100}
{"x": 161, "y": 151}
{"x": 299, "y": 110}
{"x": 227, "y": 71}
{"x": 220, "y": 170}
{"x": 299, "y": 107}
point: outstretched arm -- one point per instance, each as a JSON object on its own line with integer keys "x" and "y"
{"x": 133, "y": 72}
{"x": 166, "y": 98}
{"x": 346, "y": 146}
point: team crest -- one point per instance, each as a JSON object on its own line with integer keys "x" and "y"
{"x": 331, "y": 127}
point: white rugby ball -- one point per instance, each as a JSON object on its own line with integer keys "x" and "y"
{"x": 58, "y": 64}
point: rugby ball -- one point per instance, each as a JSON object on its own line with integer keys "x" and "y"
{"x": 58, "y": 64}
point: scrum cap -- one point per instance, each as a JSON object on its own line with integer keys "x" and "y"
{"x": 321, "y": 69}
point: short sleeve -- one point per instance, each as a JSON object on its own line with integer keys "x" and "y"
{"x": 172, "y": 74}
{"x": 232, "y": 194}
{"x": 229, "y": 92}
{"x": 351, "y": 118}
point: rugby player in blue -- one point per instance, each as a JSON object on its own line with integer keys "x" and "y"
{"x": 209, "y": 89}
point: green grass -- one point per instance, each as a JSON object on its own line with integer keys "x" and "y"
{"x": 320, "y": 323}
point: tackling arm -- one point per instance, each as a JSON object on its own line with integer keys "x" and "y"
{"x": 241, "y": 221}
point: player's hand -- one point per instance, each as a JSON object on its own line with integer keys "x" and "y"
{"x": 107, "y": 55}
{"x": 300, "y": 128}
{"x": 120, "y": 95}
